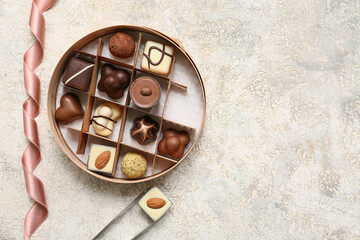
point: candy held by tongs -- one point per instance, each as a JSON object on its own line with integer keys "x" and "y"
{"x": 155, "y": 204}
{"x": 152, "y": 201}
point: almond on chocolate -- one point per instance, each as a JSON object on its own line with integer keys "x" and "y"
{"x": 102, "y": 160}
{"x": 155, "y": 203}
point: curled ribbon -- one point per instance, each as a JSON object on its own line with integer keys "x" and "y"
{"x": 31, "y": 156}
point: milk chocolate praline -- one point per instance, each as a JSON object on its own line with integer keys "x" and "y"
{"x": 122, "y": 45}
{"x": 145, "y": 92}
{"x": 174, "y": 143}
{"x": 70, "y": 109}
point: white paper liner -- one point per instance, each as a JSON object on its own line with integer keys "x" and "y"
{"x": 72, "y": 137}
{"x": 91, "y": 47}
{"x": 161, "y": 165}
{"x": 183, "y": 106}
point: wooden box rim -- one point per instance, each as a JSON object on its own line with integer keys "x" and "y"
{"x": 54, "y": 83}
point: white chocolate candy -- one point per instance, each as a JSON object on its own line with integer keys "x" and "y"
{"x": 157, "y": 213}
{"x": 95, "y": 151}
{"x": 105, "y": 117}
{"x": 157, "y": 57}
{"x": 106, "y": 112}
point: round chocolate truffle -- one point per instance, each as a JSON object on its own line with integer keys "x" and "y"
{"x": 145, "y": 92}
{"x": 133, "y": 165}
{"x": 122, "y": 45}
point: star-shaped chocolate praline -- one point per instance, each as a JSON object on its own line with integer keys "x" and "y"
{"x": 144, "y": 130}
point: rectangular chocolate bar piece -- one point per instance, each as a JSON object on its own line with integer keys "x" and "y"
{"x": 78, "y": 73}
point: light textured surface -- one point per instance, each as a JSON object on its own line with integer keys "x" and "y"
{"x": 279, "y": 157}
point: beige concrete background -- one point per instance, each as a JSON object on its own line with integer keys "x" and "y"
{"x": 279, "y": 157}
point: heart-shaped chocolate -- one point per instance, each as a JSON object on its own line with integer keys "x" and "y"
{"x": 70, "y": 109}
{"x": 113, "y": 81}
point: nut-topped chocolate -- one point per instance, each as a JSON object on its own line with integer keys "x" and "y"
{"x": 101, "y": 158}
{"x": 77, "y": 74}
{"x": 144, "y": 130}
{"x": 145, "y": 92}
{"x": 155, "y": 203}
{"x": 113, "y": 81}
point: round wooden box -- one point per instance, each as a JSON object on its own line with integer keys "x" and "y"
{"x": 182, "y": 104}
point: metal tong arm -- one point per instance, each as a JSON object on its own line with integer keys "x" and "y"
{"x": 123, "y": 212}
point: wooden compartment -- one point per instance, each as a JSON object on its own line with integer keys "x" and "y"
{"x": 183, "y": 81}
{"x": 161, "y": 164}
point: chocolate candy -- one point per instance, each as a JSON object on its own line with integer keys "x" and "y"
{"x": 133, "y": 165}
{"x": 157, "y": 57}
{"x": 154, "y": 203}
{"x": 144, "y": 130}
{"x": 77, "y": 74}
{"x": 122, "y": 45}
{"x": 101, "y": 158}
{"x": 113, "y": 81}
{"x": 174, "y": 143}
{"x": 105, "y": 117}
{"x": 145, "y": 92}
{"x": 70, "y": 109}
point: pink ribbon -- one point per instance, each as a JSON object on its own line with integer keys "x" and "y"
{"x": 31, "y": 156}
